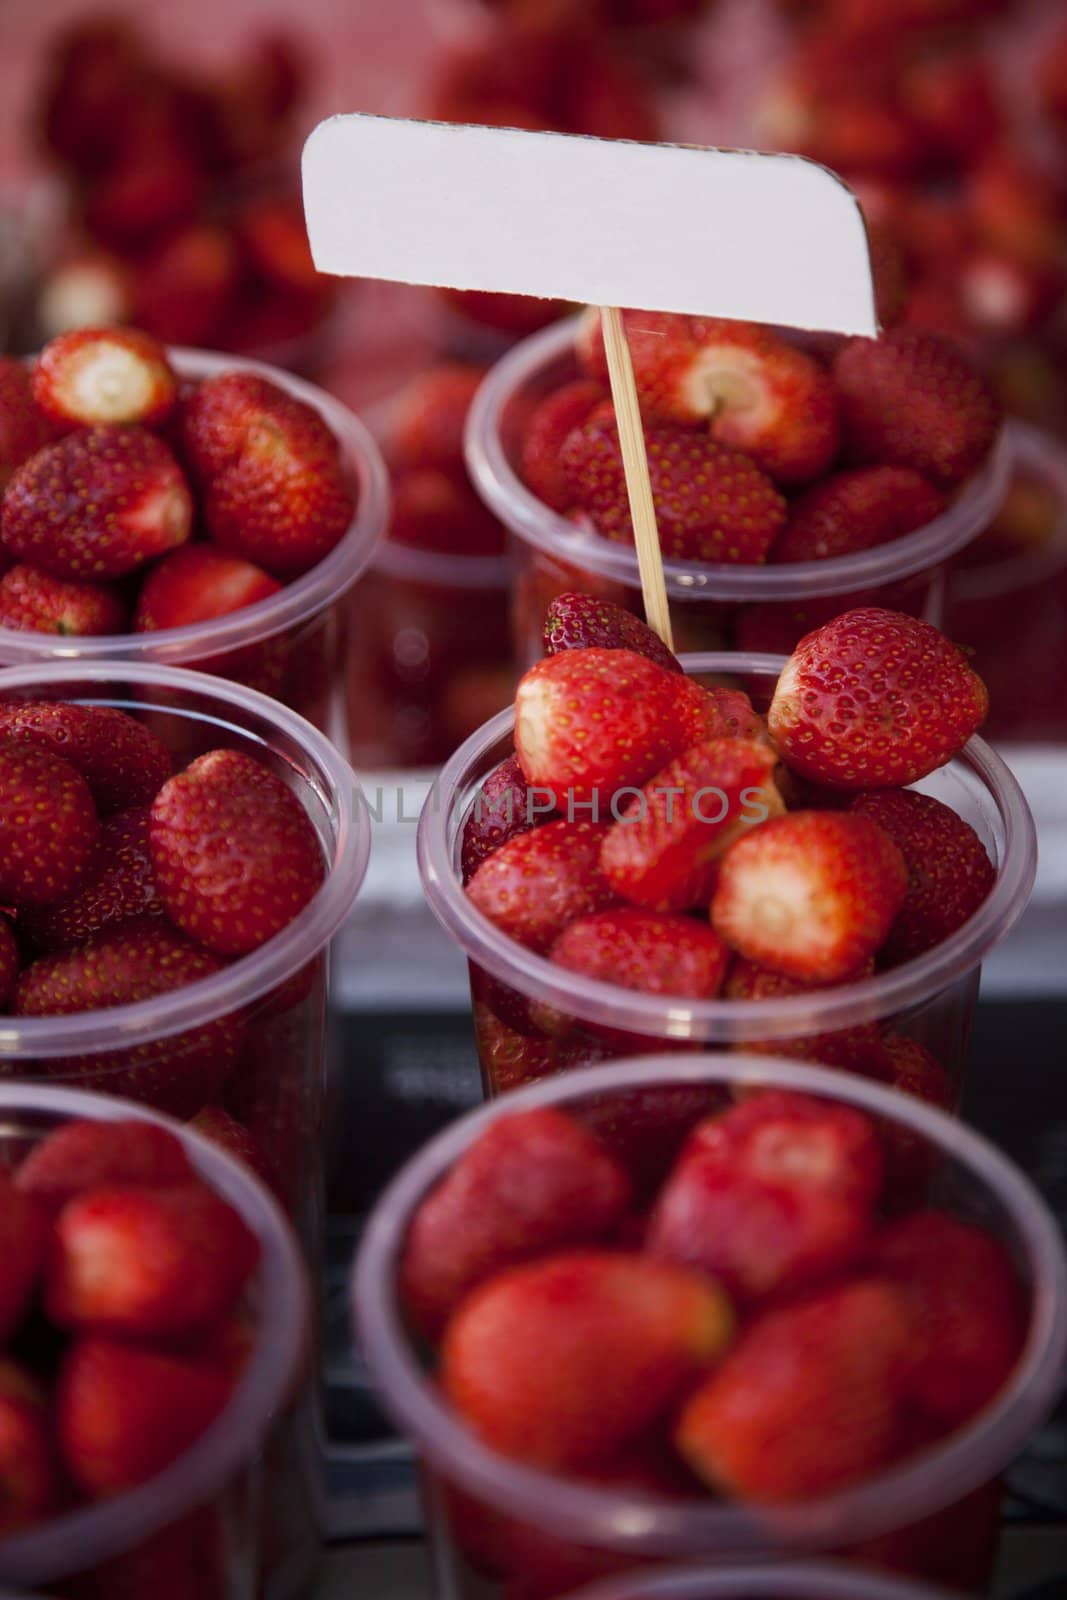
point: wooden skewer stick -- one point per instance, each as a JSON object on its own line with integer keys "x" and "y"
{"x": 635, "y": 465}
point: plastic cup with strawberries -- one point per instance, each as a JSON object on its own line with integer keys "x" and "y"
{"x": 220, "y": 512}
{"x": 164, "y": 1371}
{"x": 684, "y": 916}
{"x": 794, "y": 1580}
{"x": 796, "y": 515}
{"x": 673, "y": 1310}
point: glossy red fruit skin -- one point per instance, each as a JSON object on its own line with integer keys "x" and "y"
{"x": 773, "y": 1196}
{"x": 537, "y": 882}
{"x": 583, "y": 622}
{"x": 49, "y": 830}
{"x": 874, "y": 699}
{"x": 57, "y": 365}
{"x": 531, "y": 1184}
{"x": 854, "y": 510}
{"x": 654, "y": 952}
{"x": 235, "y": 855}
{"x": 544, "y": 438}
{"x": 198, "y": 584}
{"x": 121, "y": 760}
{"x": 428, "y": 418}
{"x": 283, "y": 509}
{"x": 23, "y": 431}
{"x": 118, "y": 887}
{"x": 32, "y": 601}
{"x": 83, "y": 1156}
{"x": 29, "y": 1473}
{"x": 501, "y": 810}
{"x": 717, "y": 713}
{"x": 24, "y": 1238}
{"x": 843, "y": 1047}
{"x": 434, "y": 510}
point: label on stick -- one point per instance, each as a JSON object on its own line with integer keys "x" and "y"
{"x": 727, "y": 233}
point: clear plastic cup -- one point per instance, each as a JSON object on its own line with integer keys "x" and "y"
{"x": 931, "y": 998}
{"x": 216, "y": 1488}
{"x": 814, "y": 1580}
{"x": 935, "y": 1515}
{"x": 429, "y": 654}
{"x": 713, "y": 607}
{"x": 291, "y": 645}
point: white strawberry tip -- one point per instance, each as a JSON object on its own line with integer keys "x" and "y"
{"x": 726, "y": 381}
{"x": 108, "y": 383}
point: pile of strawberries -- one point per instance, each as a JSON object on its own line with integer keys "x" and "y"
{"x": 135, "y": 501}
{"x": 663, "y": 837}
{"x": 121, "y": 880}
{"x": 750, "y": 1315}
{"x": 123, "y": 1331}
{"x": 761, "y": 451}
{"x": 190, "y": 227}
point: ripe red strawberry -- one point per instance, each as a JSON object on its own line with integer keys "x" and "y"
{"x": 216, "y": 1124}
{"x": 664, "y": 851}
{"x": 717, "y": 713}
{"x": 32, "y": 601}
{"x": 857, "y": 509}
{"x": 122, "y": 1414}
{"x": 84, "y": 1156}
{"x": 874, "y": 699}
{"x": 23, "y": 1242}
{"x": 712, "y": 502}
{"x": 805, "y": 1403}
{"x": 501, "y": 809}
{"x": 121, "y": 760}
{"x": 23, "y": 430}
{"x": 651, "y": 951}
{"x": 97, "y": 504}
{"x": 197, "y": 584}
{"x": 30, "y": 1486}
{"x": 148, "y": 1263}
{"x": 772, "y": 1196}
{"x": 273, "y": 235}
{"x": 101, "y": 375}
{"x": 545, "y": 435}
{"x": 428, "y": 418}
{"x": 533, "y": 1183}
{"x": 9, "y": 961}
{"x": 187, "y": 284}
{"x": 912, "y": 399}
{"x": 844, "y": 1047}
{"x": 588, "y": 722}
{"x": 949, "y": 870}
{"x": 432, "y": 510}
{"x": 582, "y": 622}
{"x": 556, "y": 1391}
{"x": 118, "y": 967}
{"x": 118, "y": 886}
{"x": 810, "y": 894}
{"x": 537, "y": 882}
{"x": 48, "y": 825}
{"x": 235, "y": 855}
{"x": 902, "y": 1063}
{"x": 968, "y": 1308}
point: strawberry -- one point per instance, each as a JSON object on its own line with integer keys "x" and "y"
{"x": 557, "y": 1391}
{"x": 118, "y": 967}
{"x": 874, "y": 699}
{"x": 805, "y": 1402}
{"x": 501, "y": 810}
{"x": 48, "y": 825}
{"x": 651, "y": 951}
{"x": 508, "y": 1058}
{"x": 545, "y": 434}
{"x": 712, "y": 502}
{"x": 198, "y": 584}
{"x": 23, "y": 430}
{"x": 216, "y": 1124}
{"x": 119, "y": 886}
{"x": 588, "y": 722}
{"x": 582, "y": 622}
{"x": 273, "y": 236}
{"x": 844, "y": 1047}
{"x": 664, "y": 851}
{"x": 857, "y": 509}
{"x": 97, "y": 504}
{"x": 532, "y": 1183}
{"x": 148, "y": 1263}
{"x": 772, "y": 1196}
{"x": 9, "y": 961}
{"x": 902, "y": 1063}
{"x": 432, "y": 510}
{"x": 30, "y": 1486}
{"x": 954, "y": 98}
{"x": 121, "y": 760}
{"x": 428, "y": 418}
{"x": 147, "y": 194}
{"x": 809, "y": 894}
{"x": 912, "y": 399}
{"x": 717, "y": 713}
{"x": 647, "y": 1127}
{"x": 187, "y": 284}
{"x": 23, "y": 1241}
{"x": 101, "y": 375}
{"x": 968, "y": 1308}
{"x": 537, "y": 882}
{"x": 235, "y": 855}
{"x": 90, "y": 288}
{"x": 949, "y": 870}
{"x": 122, "y": 1413}
{"x": 81, "y": 1157}
{"x": 32, "y": 601}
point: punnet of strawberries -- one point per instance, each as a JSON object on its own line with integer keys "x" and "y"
{"x": 124, "y": 1320}
{"x": 755, "y": 1315}
{"x": 663, "y": 837}
{"x": 759, "y": 450}
{"x": 135, "y": 500}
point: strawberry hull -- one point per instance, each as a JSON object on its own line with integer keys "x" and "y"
{"x": 928, "y": 1509}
